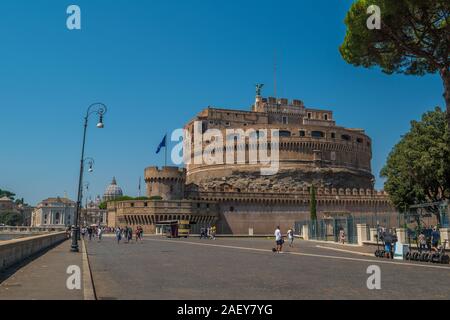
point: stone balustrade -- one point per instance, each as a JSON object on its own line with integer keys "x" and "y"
{"x": 23, "y": 229}
{"x": 17, "y": 250}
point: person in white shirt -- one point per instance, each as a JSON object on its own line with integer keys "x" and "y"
{"x": 290, "y": 235}
{"x": 279, "y": 239}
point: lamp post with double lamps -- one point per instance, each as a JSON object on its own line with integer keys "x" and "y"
{"x": 100, "y": 110}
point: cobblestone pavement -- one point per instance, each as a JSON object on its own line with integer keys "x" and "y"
{"x": 240, "y": 269}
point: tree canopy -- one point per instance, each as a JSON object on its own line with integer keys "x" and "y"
{"x": 418, "y": 167}
{"x": 11, "y": 218}
{"x": 7, "y": 193}
{"x": 414, "y": 38}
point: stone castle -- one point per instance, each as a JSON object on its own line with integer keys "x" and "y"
{"x": 313, "y": 150}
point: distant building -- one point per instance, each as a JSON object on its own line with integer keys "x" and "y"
{"x": 54, "y": 212}
{"x": 8, "y": 205}
{"x": 93, "y": 215}
{"x": 113, "y": 191}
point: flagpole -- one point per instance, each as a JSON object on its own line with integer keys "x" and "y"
{"x": 165, "y": 156}
{"x": 165, "y": 153}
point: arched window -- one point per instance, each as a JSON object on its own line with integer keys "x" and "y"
{"x": 57, "y": 218}
{"x": 346, "y": 137}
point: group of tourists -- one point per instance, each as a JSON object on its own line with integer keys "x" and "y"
{"x": 126, "y": 233}
{"x": 432, "y": 242}
{"x": 93, "y": 232}
{"x": 279, "y": 239}
{"x": 208, "y": 233}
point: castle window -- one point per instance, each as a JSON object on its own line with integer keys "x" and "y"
{"x": 333, "y": 135}
{"x": 285, "y": 120}
{"x": 132, "y": 204}
{"x": 198, "y": 205}
{"x": 231, "y": 209}
{"x": 359, "y": 140}
{"x": 309, "y": 115}
{"x": 145, "y": 204}
{"x": 317, "y": 134}
{"x": 227, "y": 124}
{"x": 285, "y": 133}
{"x": 302, "y": 133}
{"x": 325, "y": 116}
{"x": 346, "y": 137}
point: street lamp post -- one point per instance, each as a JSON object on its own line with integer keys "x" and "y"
{"x": 99, "y": 109}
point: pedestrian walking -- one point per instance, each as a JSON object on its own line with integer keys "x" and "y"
{"x": 290, "y": 235}
{"x": 279, "y": 240}
{"x": 89, "y": 230}
{"x": 99, "y": 234}
{"x": 342, "y": 236}
{"x": 213, "y": 232}
{"x": 435, "y": 237}
{"x": 130, "y": 234}
{"x": 118, "y": 235}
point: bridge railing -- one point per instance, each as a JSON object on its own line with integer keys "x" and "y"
{"x": 7, "y": 229}
{"x": 17, "y": 250}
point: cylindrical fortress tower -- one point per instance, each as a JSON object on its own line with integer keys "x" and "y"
{"x": 167, "y": 182}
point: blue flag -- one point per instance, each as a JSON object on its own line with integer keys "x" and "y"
{"x": 162, "y": 144}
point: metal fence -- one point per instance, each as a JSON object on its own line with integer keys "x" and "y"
{"x": 328, "y": 229}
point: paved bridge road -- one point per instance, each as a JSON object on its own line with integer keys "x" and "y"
{"x": 239, "y": 269}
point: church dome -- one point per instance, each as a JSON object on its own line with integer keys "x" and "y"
{"x": 113, "y": 191}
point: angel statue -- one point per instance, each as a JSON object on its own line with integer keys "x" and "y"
{"x": 258, "y": 88}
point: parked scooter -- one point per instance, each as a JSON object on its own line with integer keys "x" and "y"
{"x": 379, "y": 253}
{"x": 440, "y": 256}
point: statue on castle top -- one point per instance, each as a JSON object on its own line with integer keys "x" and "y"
{"x": 259, "y": 86}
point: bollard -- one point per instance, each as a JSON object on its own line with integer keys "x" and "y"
{"x": 401, "y": 235}
{"x": 373, "y": 234}
{"x": 305, "y": 232}
{"x": 445, "y": 235}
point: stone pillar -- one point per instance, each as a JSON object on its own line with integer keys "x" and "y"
{"x": 305, "y": 232}
{"x": 445, "y": 235}
{"x": 373, "y": 234}
{"x": 401, "y": 235}
{"x": 361, "y": 230}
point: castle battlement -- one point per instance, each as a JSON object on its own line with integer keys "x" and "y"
{"x": 165, "y": 173}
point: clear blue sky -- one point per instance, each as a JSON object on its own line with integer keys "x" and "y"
{"x": 156, "y": 64}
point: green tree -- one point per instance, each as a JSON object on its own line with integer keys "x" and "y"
{"x": 418, "y": 167}
{"x": 11, "y": 218}
{"x": 414, "y": 38}
{"x": 7, "y": 193}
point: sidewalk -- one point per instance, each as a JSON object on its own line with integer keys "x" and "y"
{"x": 350, "y": 248}
{"x": 43, "y": 278}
